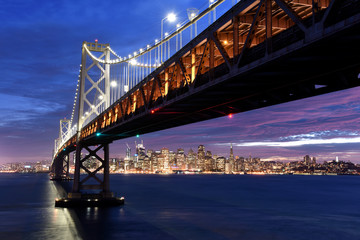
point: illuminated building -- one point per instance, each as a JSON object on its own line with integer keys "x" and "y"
{"x": 190, "y": 159}
{"x": 127, "y": 158}
{"x": 165, "y": 156}
{"x": 180, "y": 159}
{"x": 200, "y": 157}
{"x": 209, "y": 163}
{"x": 220, "y": 164}
{"x": 231, "y": 159}
{"x": 139, "y": 155}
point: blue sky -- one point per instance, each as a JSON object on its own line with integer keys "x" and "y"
{"x": 40, "y": 56}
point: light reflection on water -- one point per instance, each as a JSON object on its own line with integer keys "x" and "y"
{"x": 187, "y": 207}
{"x": 56, "y": 223}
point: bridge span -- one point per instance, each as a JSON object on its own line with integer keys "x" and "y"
{"x": 259, "y": 53}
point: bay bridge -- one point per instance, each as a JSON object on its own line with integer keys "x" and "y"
{"x": 257, "y": 54}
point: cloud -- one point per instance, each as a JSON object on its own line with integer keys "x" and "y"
{"x": 19, "y": 111}
{"x": 300, "y": 142}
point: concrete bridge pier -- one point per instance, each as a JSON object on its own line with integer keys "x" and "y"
{"x": 91, "y": 188}
{"x": 61, "y": 169}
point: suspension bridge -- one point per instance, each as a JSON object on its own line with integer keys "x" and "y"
{"x": 257, "y": 54}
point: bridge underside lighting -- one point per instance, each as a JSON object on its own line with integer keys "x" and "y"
{"x": 230, "y": 115}
{"x": 98, "y": 134}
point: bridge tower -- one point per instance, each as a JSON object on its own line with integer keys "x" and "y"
{"x": 64, "y": 129}
{"x": 94, "y": 97}
{"x": 61, "y": 168}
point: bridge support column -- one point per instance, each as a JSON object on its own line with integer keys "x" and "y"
{"x": 61, "y": 171}
{"x": 89, "y": 189}
{"x": 268, "y": 20}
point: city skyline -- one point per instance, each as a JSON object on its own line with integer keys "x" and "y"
{"x": 40, "y": 67}
{"x": 198, "y": 161}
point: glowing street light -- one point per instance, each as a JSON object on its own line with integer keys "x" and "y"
{"x": 113, "y": 84}
{"x": 133, "y": 62}
{"x": 171, "y": 17}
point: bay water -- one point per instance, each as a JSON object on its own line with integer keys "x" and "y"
{"x": 187, "y": 207}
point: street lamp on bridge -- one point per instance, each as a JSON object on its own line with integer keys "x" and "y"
{"x": 171, "y": 17}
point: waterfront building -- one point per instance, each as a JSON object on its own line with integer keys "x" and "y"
{"x": 200, "y": 162}
{"x": 114, "y": 164}
{"x": 121, "y": 164}
{"x": 172, "y": 161}
{"x": 127, "y": 158}
{"x": 91, "y": 163}
{"x": 155, "y": 161}
{"x": 165, "y": 155}
{"x": 190, "y": 159}
{"x": 314, "y": 161}
{"x": 140, "y": 154}
{"x": 231, "y": 159}
{"x": 220, "y": 164}
{"x": 307, "y": 160}
{"x": 180, "y": 159}
{"x": 209, "y": 164}
{"x": 146, "y": 164}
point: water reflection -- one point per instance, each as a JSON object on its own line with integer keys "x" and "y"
{"x": 58, "y": 223}
{"x": 85, "y": 223}
{"x": 186, "y": 207}
{"x": 92, "y": 213}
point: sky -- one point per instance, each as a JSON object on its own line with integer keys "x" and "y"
{"x": 40, "y": 55}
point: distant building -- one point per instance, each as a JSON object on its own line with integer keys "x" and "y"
{"x": 307, "y": 160}
{"x": 220, "y": 164}
{"x": 200, "y": 157}
{"x": 180, "y": 159}
{"x": 190, "y": 159}
{"x": 231, "y": 159}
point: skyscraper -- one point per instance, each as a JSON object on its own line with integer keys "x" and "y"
{"x": 180, "y": 159}
{"x": 165, "y": 156}
{"x": 127, "y": 158}
{"x": 140, "y": 154}
{"x": 220, "y": 164}
{"x": 231, "y": 159}
{"x": 190, "y": 159}
{"x": 200, "y": 157}
{"x": 307, "y": 160}
{"x": 209, "y": 163}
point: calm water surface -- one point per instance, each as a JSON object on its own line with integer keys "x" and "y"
{"x": 187, "y": 207}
